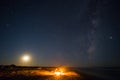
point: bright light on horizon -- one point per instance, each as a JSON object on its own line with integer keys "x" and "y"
{"x": 26, "y": 58}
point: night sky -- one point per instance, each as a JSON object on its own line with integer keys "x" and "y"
{"x": 60, "y": 32}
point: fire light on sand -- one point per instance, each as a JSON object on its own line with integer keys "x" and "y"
{"x": 59, "y": 72}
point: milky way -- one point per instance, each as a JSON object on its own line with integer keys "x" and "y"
{"x": 93, "y": 24}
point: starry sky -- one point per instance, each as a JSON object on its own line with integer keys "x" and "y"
{"x": 60, "y": 32}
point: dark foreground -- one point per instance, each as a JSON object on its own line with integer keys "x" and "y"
{"x": 32, "y": 73}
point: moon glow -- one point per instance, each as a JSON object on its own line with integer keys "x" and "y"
{"x": 26, "y": 58}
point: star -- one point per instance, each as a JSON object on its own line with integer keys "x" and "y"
{"x": 110, "y": 37}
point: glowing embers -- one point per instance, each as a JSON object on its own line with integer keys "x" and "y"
{"x": 59, "y": 71}
{"x": 64, "y": 72}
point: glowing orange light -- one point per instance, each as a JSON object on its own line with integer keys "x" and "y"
{"x": 58, "y": 73}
